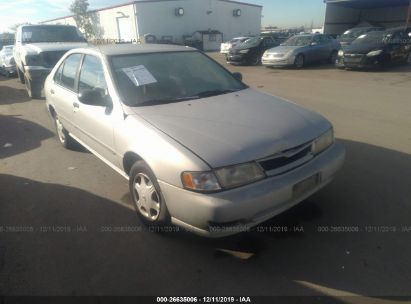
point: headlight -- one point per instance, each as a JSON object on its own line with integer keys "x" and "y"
{"x": 228, "y": 177}
{"x": 323, "y": 142}
{"x": 374, "y": 53}
{"x": 340, "y": 53}
{"x": 200, "y": 181}
{"x": 239, "y": 175}
{"x": 244, "y": 51}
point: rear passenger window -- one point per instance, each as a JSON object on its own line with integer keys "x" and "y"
{"x": 57, "y": 76}
{"x": 68, "y": 75}
{"x": 92, "y": 75}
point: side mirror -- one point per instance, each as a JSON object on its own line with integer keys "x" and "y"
{"x": 94, "y": 98}
{"x": 238, "y": 76}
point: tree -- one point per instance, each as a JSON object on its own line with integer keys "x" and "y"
{"x": 83, "y": 18}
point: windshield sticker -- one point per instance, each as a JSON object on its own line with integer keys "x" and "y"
{"x": 139, "y": 75}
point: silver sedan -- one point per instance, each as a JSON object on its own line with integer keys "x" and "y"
{"x": 200, "y": 148}
{"x": 301, "y": 50}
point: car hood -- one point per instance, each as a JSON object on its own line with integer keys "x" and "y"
{"x": 362, "y": 48}
{"x": 283, "y": 49}
{"x": 237, "y": 127}
{"x": 36, "y": 48}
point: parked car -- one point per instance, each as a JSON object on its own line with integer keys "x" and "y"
{"x": 199, "y": 147}
{"x": 225, "y": 47}
{"x": 377, "y": 49}
{"x": 300, "y": 50}
{"x": 250, "y": 52}
{"x": 36, "y": 52}
{"x": 7, "y": 63}
{"x": 350, "y": 35}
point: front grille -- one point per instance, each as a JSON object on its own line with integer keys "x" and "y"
{"x": 50, "y": 58}
{"x": 287, "y": 160}
{"x": 353, "y": 58}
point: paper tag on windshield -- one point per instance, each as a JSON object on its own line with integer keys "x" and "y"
{"x": 139, "y": 75}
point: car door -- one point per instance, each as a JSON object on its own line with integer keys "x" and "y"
{"x": 95, "y": 122}
{"x": 63, "y": 92}
{"x": 312, "y": 53}
{"x": 326, "y": 47}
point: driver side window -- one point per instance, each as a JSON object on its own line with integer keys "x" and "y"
{"x": 92, "y": 76}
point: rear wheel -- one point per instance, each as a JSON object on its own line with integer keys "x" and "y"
{"x": 146, "y": 194}
{"x": 299, "y": 61}
{"x": 33, "y": 88}
{"x": 64, "y": 137}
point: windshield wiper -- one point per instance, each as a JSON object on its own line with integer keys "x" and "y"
{"x": 155, "y": 102}
{"x": 214, "y": 93}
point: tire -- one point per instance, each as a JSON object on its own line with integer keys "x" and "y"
{"x": 299, "y": 61}
{"x": 147, "y": 197}
{"x": 64, "y": 137}
{"x": 33, "y": 88}
{"x": 20, "y": 75}
{"x": 333, "y": 57}
{"x": 255, "y": 60}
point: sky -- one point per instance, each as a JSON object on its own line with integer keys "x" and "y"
{"x": 282, "y": 13}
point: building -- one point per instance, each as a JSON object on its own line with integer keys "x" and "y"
{"x": 342, "y": 15}
{"x": 174, "y": 21}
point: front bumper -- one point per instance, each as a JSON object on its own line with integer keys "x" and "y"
{"x": 236, "y": 210}
{"x": 11, "y": 69}
{"x": 359, "y": 62}
{"x": 277, "y": 62}
{"x": 236, "y": 58}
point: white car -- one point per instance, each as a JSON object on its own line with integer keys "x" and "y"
{"x": 225, "y": 47}
{"x": 7, "y": 63}
{"x": 38, "y": 48}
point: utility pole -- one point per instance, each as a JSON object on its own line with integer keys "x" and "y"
{"x": 409, "y": 15}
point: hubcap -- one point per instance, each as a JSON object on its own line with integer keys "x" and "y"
{"x": 146, "y": 197}
{"x": 60, "y": 131}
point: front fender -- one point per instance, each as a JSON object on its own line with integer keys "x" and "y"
{"x": 165, "y": 156}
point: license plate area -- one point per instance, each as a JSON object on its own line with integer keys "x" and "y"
{"x": 306, "y": 185}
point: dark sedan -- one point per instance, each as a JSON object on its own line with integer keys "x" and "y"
{"x": 349, "y": 36}
{"x": 377, "y": 49}
{"x": 251, "y": 51}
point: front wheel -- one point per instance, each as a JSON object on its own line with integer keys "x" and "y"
{"x": 33, "y": 88}
{"x": 299, "y": 61}
{"x": 64, "y": 137}
{"x": 20, "y": 75}
{"x": 146, "y": 195}
{"x": 255, "y": 60}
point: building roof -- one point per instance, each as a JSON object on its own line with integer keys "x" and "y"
{"x": 365, "y": 4}
{"x": 125, "y": 49}
{"x": 147, "y": 1}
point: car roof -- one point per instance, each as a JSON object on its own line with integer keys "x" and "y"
{"x": 126, "y": 49}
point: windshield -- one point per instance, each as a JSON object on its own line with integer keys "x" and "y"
{"x": 8, "y": 50}
{"x": 35, "y": 34}
{"x": 252, "y": 41}
{"x": 370, "y": 38}
{"x": 354, "y": 33}
{"x": 160, "y": 78}
{"x": 298, "y": 41}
